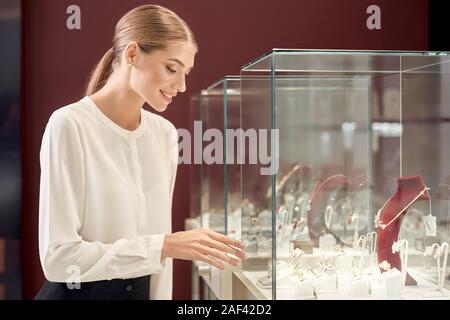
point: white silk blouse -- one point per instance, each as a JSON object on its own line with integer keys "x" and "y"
{"x": 106, "y": 197}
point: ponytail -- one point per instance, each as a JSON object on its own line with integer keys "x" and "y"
{"x": 101, "y": 73}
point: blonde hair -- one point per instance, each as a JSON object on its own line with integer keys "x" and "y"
{"x": 153, "y": 27}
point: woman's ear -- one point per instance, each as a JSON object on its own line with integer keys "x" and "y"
{"x": 131, "y": 52}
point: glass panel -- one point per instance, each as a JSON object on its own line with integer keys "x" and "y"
{"x": 232, "y": 166}
{"x": 213, "y": 179}
{"x": 426, "y": 63}
{"x": 195, "y": 167}
{"x": 336, "y": 63}
{"x": 426, "y": 128}
{"x": 322, "y": 186}
{"x": 220, "y": 173}
{"x": 256, "y": 117}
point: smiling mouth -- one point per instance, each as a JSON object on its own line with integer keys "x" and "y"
{"x": 166, "y": 96}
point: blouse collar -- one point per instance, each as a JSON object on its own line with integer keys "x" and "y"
{"x": 139, "y": 131}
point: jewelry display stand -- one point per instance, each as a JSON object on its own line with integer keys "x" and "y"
{"x": 326, "y": 242}
{"x": 286, "y": 272}
{"x": 392, "y": 280}
{"x": 371, "y": 240}
{"x": 389, "y": 218}
{"x": 326, "y": 283}
{"x": 360, "y": 284}
{"x": 359, "y": 183}
{"x": 315, "y": 214}
{"x": 304, "y": 289}
{"x": 437, "y": 251}
{"x": 344, "y": 263}
{"x": 391, "y": 283}
{"x": 401, "y": 246}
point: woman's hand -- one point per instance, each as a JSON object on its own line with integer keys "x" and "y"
{"x": 203, "y": 245}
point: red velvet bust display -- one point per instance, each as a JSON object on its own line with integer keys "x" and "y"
{"x": 409, "y": 190}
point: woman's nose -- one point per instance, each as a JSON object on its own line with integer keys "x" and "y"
{"x": 180, "y": 85}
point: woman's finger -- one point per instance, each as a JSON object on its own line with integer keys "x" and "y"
{"x": 212, "y": 261}
{"x": 219, "y": 255}
{"x": 226, "y": 248}
{"x": 232, "y": 242}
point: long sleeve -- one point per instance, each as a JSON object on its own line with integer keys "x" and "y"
{"x": 62, "y": 199}
{"x": 161, "y": 284}
{"x": 174, "y": 159}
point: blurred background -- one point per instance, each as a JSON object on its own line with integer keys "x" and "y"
{"x": 44, "y": 66}
{"x": 10, "y": 172}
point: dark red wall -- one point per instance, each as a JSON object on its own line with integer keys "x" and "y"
{"x": 56, "y": 63}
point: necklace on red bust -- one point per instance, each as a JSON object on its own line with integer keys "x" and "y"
{"x": 378, "y": 222}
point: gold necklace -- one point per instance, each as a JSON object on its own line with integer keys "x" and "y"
{"x": 378, "y": 215}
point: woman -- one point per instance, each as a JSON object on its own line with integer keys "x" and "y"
{"x": 108, "y": 171}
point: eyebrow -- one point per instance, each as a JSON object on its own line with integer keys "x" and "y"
{"x": 179, "y": 62}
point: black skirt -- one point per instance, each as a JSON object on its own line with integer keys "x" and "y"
{"x": 116, "y": 289}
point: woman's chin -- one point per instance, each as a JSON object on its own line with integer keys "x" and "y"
{"x": 158, "y": 107}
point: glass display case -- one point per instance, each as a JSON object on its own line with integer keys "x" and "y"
{"x": 345, "y": 187}
{"x": 220, "y": 178}
{"x": 195, "y": 113}
{"x": 215, "y": 196}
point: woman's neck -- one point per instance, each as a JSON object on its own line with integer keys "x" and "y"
{"x": 119, "y": 103}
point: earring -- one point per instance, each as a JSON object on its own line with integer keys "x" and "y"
{"x": 386, "y": 266}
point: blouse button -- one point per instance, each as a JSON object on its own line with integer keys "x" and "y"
{"x": 129, "y": 288}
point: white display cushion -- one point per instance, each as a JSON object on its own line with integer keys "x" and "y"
{"x": 304, "y": 289}
{"x": 360, "y": 286}
{"x": 286, "y": 282}
{"x": 284, "y": 273}
{"x": 265, "y": 282}
{"x": 344, "y": 263}
{"x": 391, "y": 283}
{"x": 326, "y": 283}
{"x": 327, "y": 242}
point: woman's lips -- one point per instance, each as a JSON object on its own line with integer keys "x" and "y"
{"x": 166, "y": 97}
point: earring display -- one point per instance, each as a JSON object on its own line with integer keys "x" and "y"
{"x": 318, "y": 217}
{"x": 391, "y": 282}
{"x": 371, "y": 240}
{"x": 440, "y": 254}
{"x": 360, "y": 249}
{"x": 401, "y": 246}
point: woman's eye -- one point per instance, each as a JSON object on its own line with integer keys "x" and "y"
{"x": 170, "y": 70}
